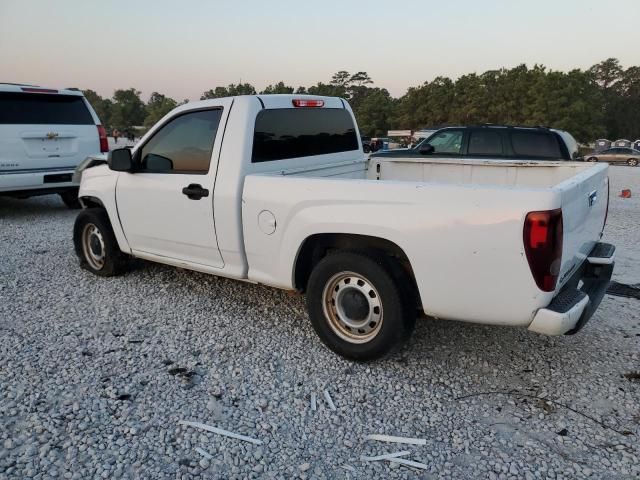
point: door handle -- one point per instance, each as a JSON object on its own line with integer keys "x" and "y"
{"x": 195, "y": 191}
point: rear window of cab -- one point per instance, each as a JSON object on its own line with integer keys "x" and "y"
{"x": 302, "y": 132}
{"x": 43, "y": 109}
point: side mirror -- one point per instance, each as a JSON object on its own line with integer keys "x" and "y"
{"x": 119, "y": 160}
{"x": 426, "y": 149}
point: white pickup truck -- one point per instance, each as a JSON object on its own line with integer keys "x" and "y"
{"x": 275, "y": 189}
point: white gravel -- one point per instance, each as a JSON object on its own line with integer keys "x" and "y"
{"x": 95, "y": 375}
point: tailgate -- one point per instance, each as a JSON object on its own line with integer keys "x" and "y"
{"x": 27, "y": 147}
{"x": 585, "y": 199}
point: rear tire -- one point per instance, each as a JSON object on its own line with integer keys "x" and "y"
{"x": 96, "y": 244}
{"x": 592, "y": 159}
{"x": 358, "y": 307}
{"x": 632, "y": 162}
{"x": 70, "y": 198}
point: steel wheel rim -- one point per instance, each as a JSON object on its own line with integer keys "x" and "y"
{"x": 93, "y": 246}
{"x": 352, "y": 307}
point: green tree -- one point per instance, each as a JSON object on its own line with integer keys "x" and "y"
{"x": 101, "y": 106}
{"x": 341, "y": 79}
{"x": 279, "y": 87}
{"x": 374, "y": 111}
{"x": 230, "y": 91}
{"x": 607, "y": 73}
{"x": 323, "y": 89}
{"x": 623, "y": 114}
{"x": 128, "y": 109}
{"x": 157, "y": 107}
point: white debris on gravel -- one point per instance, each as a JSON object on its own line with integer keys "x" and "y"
{"x": 392, "y": 439}
{"x": 409, "y": 463}
{"x": 78, "y": 400}
{"x": 329, "y": 400}
{"x": 220, "y": 431}
{"x": 204, "y": 453}
{"x": 385, "y": 456}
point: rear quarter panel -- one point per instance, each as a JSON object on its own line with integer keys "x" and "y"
{"x": 464, "y": 242}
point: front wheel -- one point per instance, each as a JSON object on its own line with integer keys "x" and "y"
{"x": 632, "y": 162}
{"x": 96, "y": 244}
{"x": 592, "y": 159}
{"x": 357, "y": 306}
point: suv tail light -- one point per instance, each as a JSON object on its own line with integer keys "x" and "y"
{"x": 302, "y": 102}
{"x": 543, "y": 246}
{"x": 104, "y": 143}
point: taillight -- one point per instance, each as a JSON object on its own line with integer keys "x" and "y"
{"x": 543, "y": 247}
{"x": 104, "y": 143}
{"x": 302, "y": 102}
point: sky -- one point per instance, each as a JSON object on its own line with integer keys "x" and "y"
{"x": 184, "y": 47}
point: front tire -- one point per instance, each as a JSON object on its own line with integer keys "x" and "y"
{"x": 96, "y": 244}
{"x": 632, "y": 162}
{"x": 358, "y": 307}
{"x": 592, "y": 159}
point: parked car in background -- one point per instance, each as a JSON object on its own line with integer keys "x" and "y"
{"x": 275, "y": 189}
{"x": 44, "y": 134}
{"x": 497, "y": 142}
{"x": 628, "y": 156}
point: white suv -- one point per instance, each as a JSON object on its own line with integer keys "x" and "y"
{"x": 44, "y": 134}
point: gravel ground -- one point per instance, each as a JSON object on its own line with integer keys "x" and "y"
{"x": 95, "y": 375}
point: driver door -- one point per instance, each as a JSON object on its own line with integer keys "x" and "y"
{"x": 166, "y": 205}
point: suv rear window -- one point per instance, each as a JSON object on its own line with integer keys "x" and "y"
{"x": 39, "y": 109}
{"x": 302, "y": 132}
{"x": 535, "y": 144}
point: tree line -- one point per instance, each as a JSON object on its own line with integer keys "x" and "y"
{"x": 602, "y": 101}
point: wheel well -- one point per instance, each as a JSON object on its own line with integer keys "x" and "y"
{"x": 316, "y": 247}
{"x": 91, "y": 202}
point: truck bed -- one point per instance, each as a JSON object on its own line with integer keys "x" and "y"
{"x": 448, "y": 217}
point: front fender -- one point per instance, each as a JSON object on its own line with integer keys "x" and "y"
{"x": 99, "y": 182}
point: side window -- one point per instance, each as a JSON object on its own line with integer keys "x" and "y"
{"x": 183, "y": 145}
{"x": 535, "y": 144}
{"x": 485, "y": 142}
{"x": 447, "y": 142}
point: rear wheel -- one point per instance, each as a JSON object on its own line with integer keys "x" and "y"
{"x": 592, "y": 159}
{"x": 70, "y": 198}
{"x": 357, "y": 306}
{"x": 96, "y": 244}
{"x": 632, "y": 162}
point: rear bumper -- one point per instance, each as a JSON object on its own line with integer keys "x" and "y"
{"x": 30, "y": 182}
{"x": 574, "y": 305}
